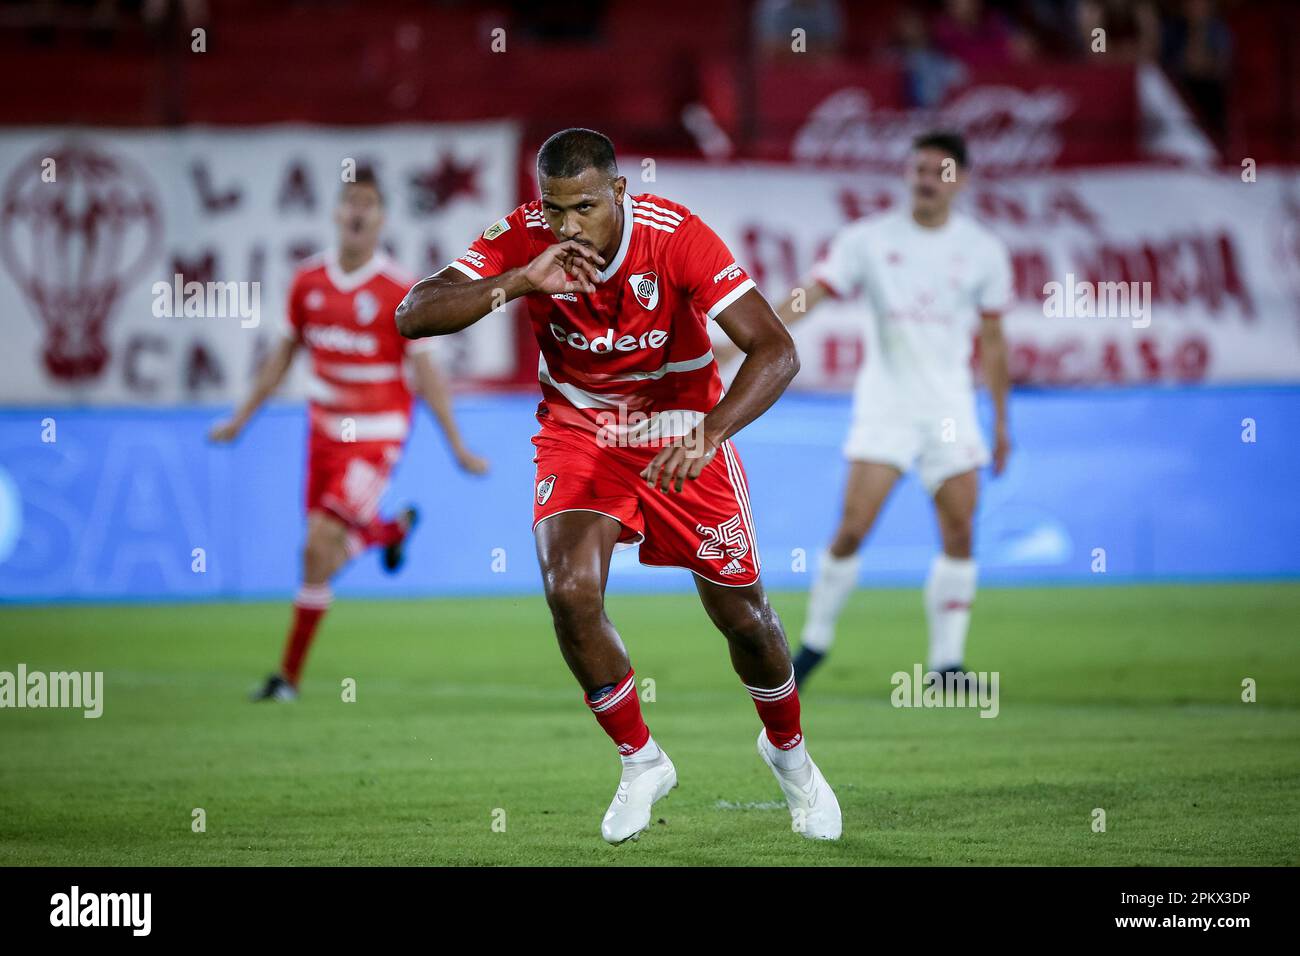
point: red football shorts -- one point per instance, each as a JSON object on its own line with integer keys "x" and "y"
{"x": 347, "y": 479}
{"x": 705, "y": 528}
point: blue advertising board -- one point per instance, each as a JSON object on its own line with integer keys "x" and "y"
{"x": 1162, "y": 484}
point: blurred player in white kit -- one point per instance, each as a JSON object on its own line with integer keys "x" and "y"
{"x": 931, "y": 277}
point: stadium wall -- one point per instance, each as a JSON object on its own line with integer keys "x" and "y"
{"x": 1213, "y": 260}
{"x": 1170, "y": 483}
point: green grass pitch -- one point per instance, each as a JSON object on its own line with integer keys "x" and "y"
{"x": 1121, "y": 698}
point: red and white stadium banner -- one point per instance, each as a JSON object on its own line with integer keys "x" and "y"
{"x": 92, "y": 219}
{"x": 1021, "y": 118}
{"x": 1222, "y": 257}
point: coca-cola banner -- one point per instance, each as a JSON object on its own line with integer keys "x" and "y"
{"x": 1122, "y": 274}
{"x": 152, "y": 267}
{"x": 1015, "y": 119}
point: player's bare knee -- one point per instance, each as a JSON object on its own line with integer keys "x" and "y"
{"x": 571, "y": 596}
{"x": 317, "y": 556}
{"x": 325, "y": 550}
{"x": 749, "y": 624}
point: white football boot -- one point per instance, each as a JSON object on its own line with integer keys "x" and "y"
{"x": 642, "y": 783}
{"x": 814, "y": 811}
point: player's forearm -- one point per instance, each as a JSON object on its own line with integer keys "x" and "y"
{"x": 800, "y": 302}
{"x": 728, "y": 352}
{"x": 787, "y": 314}
{"x": 997, "y": 377}
{"x": 269, "y": 377}
{"x": 447, "y": 422}
{"x": 440, "y": 305}
{"x": 766, "y": 372}
{"x": 796, "y": 307}
{"x": 437, "y": 395}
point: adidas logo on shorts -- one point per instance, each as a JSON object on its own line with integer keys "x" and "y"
{"x": 733, "y": 567}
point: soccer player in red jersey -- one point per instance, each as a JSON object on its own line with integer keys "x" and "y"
{"x": 634, "y": 444}
{"x": 340, "y": 307}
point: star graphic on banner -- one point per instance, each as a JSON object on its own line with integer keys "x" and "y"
{"x": 437, "y": 185}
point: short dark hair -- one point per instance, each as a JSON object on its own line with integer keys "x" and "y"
{"x": 951, "y": 143}
{"x": 570, "y": 152}
{"x": 364, "y": 176}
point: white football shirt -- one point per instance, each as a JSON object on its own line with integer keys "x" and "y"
{"x": 925, "y": 289}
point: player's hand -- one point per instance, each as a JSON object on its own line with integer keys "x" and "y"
{"x": 1001, "y": 448}
{"x": 225, "y": 432}
{"x": 680, "y": 462}
{"x": 470, "y": 462}
{"x": 551, "y": 270}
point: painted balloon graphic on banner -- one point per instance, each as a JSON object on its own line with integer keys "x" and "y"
{"x": 77, "y": 227}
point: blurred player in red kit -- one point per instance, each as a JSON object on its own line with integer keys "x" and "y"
{"x": 634, "y": 445}
{"x": 340, "y": 307}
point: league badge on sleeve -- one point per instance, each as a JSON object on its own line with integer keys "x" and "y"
{"x": 496, "y": 229}
{"x": 646, "y": 289}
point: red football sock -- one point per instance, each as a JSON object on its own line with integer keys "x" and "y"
{"x": 380, "y": 533}
{"x": 309, "y": 607}
{"x": 618, "y": 711}
{"x": 778, "y": 709}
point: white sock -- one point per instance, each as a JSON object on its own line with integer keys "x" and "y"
{"x": 796, "y": 758}
{"x": 949, "y": 593}
{"x": 836, "y": 579}
{"x": 647, "y": 754}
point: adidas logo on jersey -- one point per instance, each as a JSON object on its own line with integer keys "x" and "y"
{"x": 733, "y": 567}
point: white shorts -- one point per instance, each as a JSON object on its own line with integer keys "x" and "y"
{"x": 939, "y": 447}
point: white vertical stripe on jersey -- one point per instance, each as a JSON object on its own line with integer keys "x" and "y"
{"x": 741, "y": 491}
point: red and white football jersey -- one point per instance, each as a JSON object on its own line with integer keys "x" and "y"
{"x": 358, "y": 390}
{"x": 632, "y": 361}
